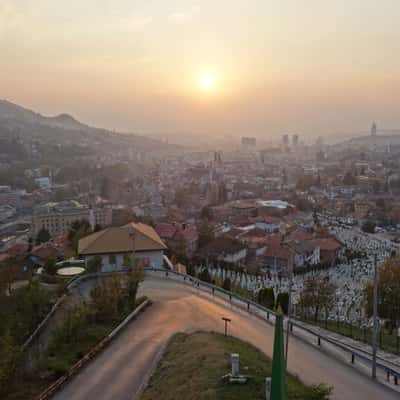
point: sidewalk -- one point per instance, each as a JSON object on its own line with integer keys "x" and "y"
{"x": 384, "y": 357}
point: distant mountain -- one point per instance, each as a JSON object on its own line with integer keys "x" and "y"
{"x": 10, "y": 112}
{"x": 64, "y": 129}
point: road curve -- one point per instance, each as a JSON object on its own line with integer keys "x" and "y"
{"x": 119, "y": 371}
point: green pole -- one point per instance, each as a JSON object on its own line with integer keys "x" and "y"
{"x": 278, "y": 381}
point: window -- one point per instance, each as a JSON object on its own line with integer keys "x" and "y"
{"x": 112, "y": 259}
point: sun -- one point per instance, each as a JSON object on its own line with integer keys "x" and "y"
{"x": 207, "y": 82}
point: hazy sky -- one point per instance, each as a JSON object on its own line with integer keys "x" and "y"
{"x": 311, "y": 66}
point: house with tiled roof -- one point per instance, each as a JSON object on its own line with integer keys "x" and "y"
{"x": 224, "y": 248}
{"x": 113, "y": 244}
{"x": 181, "y": 238}
{"x": 329, "y": 248}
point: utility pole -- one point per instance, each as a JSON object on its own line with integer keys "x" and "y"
{"x": 375, "y": 318}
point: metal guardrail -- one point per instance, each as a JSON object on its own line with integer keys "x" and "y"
{"x": 249, "y": 306}
{"x": 389, "y": 372}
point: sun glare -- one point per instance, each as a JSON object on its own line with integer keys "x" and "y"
{"x": 207, "y": 82}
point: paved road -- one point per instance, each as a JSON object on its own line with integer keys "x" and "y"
{"x": 118, "y": 372}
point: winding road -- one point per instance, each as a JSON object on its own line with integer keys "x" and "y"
{"x": 119, "y": 371}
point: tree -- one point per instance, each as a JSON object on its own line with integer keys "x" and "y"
{"x": 316, "y": 295}
{"x": 305, "y": 182}
{"x": 283, "y": 300}
{"x": 71, "y": 329}
{"x": 134, "y": 278}
{"x": 206, "y": 234}
{"x": 9, "y": 353}
{"x": 127, "y": 261}
{"x": 205, "y": 276}
{"x": 78, "y": 230}
{"x": 7, "y": 276}
{"x": 180, "y": 197}
{"x": 95, "y": 264}
{"x": 388, "y": 293}
{"x": 206, "y": 213}
{"x": 107, "y": 297}
{"x": 43, "y": 236}
{"x": 266, "y": 297}
{"x": 226, "y": 284}
{"x": 98, "y": 228}
{"x": 368, "y": 226}
{"x": 349, "y": 179}
{"x": 50, "y": 266}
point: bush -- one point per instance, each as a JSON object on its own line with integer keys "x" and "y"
{"x": 226, "y": 284}
{"x": 50, "y": 266}
{"x": 57, "y": 366}
{"x": 266, "y": 297}
{"x": 205, "y": 276}
{"x": 95, "y": 264}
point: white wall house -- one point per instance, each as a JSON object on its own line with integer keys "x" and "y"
{"x": 115, "y": 261}
{"x": 112, "y": 244}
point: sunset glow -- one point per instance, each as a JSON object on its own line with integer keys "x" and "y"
{"x": 264, "y": 66}
{"x": 207, "y": 82}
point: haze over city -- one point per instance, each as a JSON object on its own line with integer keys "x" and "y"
{"x": 222, "y": 67}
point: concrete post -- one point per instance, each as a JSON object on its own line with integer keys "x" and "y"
{"x": 268, "y": 388}
{"x": 235, "y": 364}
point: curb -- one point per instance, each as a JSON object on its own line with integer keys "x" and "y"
{"x": 55, "y": 386}
{"x": 43, "y": 322}
{"x": 152, "y": 368}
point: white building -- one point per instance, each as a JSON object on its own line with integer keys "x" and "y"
{"x": 113, "y": 244}
{"x": 43, "y": 182}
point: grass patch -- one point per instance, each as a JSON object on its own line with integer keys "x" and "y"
{"x": 193, "y": 365}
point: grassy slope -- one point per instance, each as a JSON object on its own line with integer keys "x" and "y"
{"x": 192, "y": 367}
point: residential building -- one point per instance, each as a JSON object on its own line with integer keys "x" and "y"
{"x": 180, "y": 238}
{"x": 113, "y": 244}
{"x": 58, "y": 217}
{"x": 224, "y": 248}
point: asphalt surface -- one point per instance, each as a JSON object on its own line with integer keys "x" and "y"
{"x": 119, "y": 371}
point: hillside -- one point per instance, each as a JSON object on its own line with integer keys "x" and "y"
{"x": 64, "y": 129}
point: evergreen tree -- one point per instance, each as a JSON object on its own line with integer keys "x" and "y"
{"x": 43, "y": 236}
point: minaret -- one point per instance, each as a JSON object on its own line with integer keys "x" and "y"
{"x": 373, "y": 129}
{"x": 92, "y": 219}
